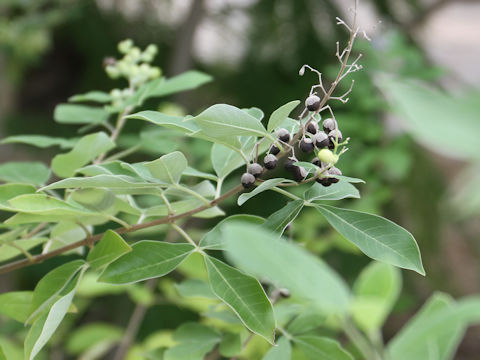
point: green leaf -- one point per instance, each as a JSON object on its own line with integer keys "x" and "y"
{"x": 45, "y": 326}
{"x": 376, "y": 291}
{"x": 186, "y": 81}
{"x": 52, "y": 284}
{"x": 264, "y": 186}
{"x": 215, "y": 240}
{"x": 436, "y": 330}
{"x": 377, "y": 237}
{"x": 94, "y": 96}
{"x": 279, "y": 220}
{"x": 169, "y": 167}
{"x": 85, "y": 150}
{"x": 94, "y": 199}
{"x": 195, "y": 288}
{"x": 7, "y": 251}
{"x": 281, "y": 114}
{"x": 80, "y": 114}
{"x": 222, "y": 120}
{"x": 113, "y": 182}
{"x": 45, "y": 205}
{"x": 189, "y": 171}
{"x": 195, "y": 341}
{"x": 283, "y": 350}
{"x": 255, "y": 112}
{"x": 9, "y": 191}
{"x": 34, "y": 173}
{"x": 244, "y": 295}
{"x": 148, "y": 259}
{"x": 40, "y": 141}
{"x": 108, "y": 249}
{"x": 167, "y": 121}
{"x": 86, "y": 336}
{"x": 250, "y": 247}
{"x": 428, "y": 113}
{"x": 231, "y": 345}
{"x": 16, "y": 305}
{"x": 337, "y": 191}
{"x": 225, "y": 160}
{"x": 319, "y": 347}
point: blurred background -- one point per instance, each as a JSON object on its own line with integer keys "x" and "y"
{"x": 413, "y": 117}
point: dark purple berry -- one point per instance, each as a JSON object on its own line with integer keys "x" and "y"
{"x": 283, "y": 135}
{"x": 312, "y": 127}
{"x": 334, "y": 171}
{"x": 270, "y": 161}
{"x": 299, "y": 173}
{"x": 289, "y": 164}
{"x": 322, "y": 140}
{"x": 255, "y": 169}
{"x": 306, "y": 145}
{"x": 329, "y": 125}
{"x": 316, "y": 161}
{"x": 335, "y": 135}
{"x": 274, "y": 150}
{"x": 248, "y": 180}
{"x": 325, "y": 181}
{"x": 312, "y": 103}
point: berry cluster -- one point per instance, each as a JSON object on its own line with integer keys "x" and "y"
{"x": 311, "y": 139}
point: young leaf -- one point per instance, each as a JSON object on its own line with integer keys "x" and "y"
{"x": 377, "y": 237}
{"x": 114, "y": 182}
{"x": 52, "y": 284}
{"x": 34, "y": 173}
{"x": 94, "y": 199}
{"x": 85, "y": 150}
{"x": 194, "y": 342}
{"x": 108, "y": 249}
{"x": 94, "y": 96}
{"x": 244, "y": 295}
{"x": 79, "y": 114}
{"x": 265, "y": 255}
{"x": 7, "y": 251}
{"x": 9, "y": 191}
{"x": 264, "y": 186}
{"x": 44, "y": 327}
{"x": 167, "y": 121}
{"x": 281, "y": 114}
{"x": 255, "y": 112}
{"x": 148, "y": 259}
{"x": 214, "y": 239}
{"x": 283, "y": 350}
{"x": 40, "y": 141}
{"x": 168, "y": 168}
{"x": 45, "y": 205}
{"x": 279, "y": 220}
{"x": 436, "y": 330}
{"x": 185, "y": 81}
{"x": 222, "y": 120}
{"x": 376, "y": 290}
{"x": 16, "y": 304}
{"x": 337, "y": 191}
{"x": 319, "y": 347}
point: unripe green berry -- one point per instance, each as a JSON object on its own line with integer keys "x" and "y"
{"x": 327, "y": 156}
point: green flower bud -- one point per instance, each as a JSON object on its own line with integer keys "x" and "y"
{"x": 116, "y": 94}
{"x": 125, "y": 46}
{"x": 112, "y": 71}
{"x": 152, "y": 49}
{"x": 155, "y": 73}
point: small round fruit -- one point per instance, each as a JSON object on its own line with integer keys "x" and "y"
{"x": 270, "y": 161}
{"x": 329, "y": 125}
{"x": 312, "y": 127}
{"x": 289, "y": 164}
{"x": 283, "y": 135}
{"x": 255, "y": 169}
{"x": 299, "y": 173}
{"x": 274, "y": 150}
{"x": 325, "y": 181}
{"x": 316, "y": 161}
{"x": 335, "y": 135}
{"x": 327, "y": 156}
{"x": 312, "y": 103}
{"x": 285, "y": 293}
{"x": 334, "y": 171}
{"x": 306, "y": 145}
{"x": 248, "y": 180}
{"x": 322, "y": 140}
